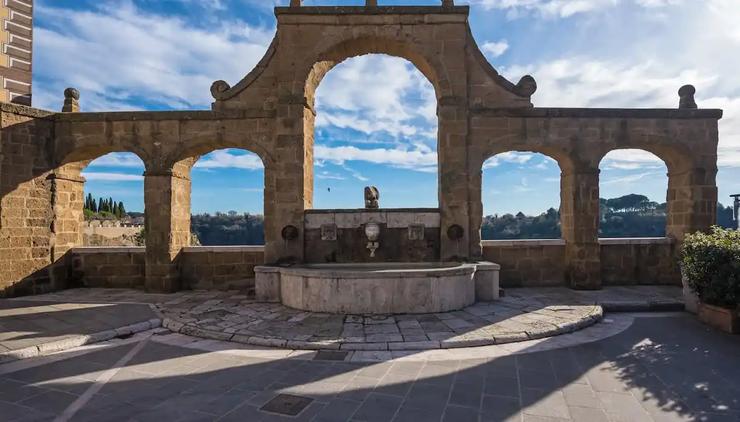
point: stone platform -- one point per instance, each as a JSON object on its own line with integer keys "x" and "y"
{"x": 523, "y": 314}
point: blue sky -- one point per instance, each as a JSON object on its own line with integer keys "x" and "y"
{"x": 376, "y": 120}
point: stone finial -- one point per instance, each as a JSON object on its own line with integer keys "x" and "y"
{"x": 448, "y": 3}
{"x": 371, "y": 3}
{"x": 526, "y": 86}
{"x": 71, "y": 101}
{"x": 295, "y": 3}
{"x": 686, "y": 95}
{"x": 218, "y": 88}
{"x": 372, "y": 195}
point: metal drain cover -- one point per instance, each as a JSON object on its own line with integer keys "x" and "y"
{"x": 286, "y": 404}
{"x": 330, "y": 355}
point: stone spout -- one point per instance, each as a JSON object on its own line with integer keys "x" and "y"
{"x": 372, "y": 232}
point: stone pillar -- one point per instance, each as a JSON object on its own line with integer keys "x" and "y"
{"x": 579, "y": 216}
{"x": 295, "y": 3}
{"x": 448, "y": 3}
{"x": 692, "y": 201}
{"x": 167, "y": 215}
{"x": 68, "y": 195}
{"x": 454, "y": 180}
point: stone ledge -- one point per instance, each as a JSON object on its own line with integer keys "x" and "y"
{"x": 601, "y": 113}
{"x": 116, "y": 116}
{"x": 636, "y": 241}
{"x": 376, "y": 10}
{"x": 216, "y": 249}
{"x": 86, "y": 250}
{"x": 26, "y": 111}
{"x": 523, "y": 242}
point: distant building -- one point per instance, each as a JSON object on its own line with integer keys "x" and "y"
{"x": 16, "y": 39}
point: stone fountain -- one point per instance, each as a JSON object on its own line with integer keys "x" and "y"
{"x": 376, "y": 261}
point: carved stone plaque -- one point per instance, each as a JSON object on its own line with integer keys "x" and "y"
{"x": 329, "y": 232}
{"x": 416, "y": 232}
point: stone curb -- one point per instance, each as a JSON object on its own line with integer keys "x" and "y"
{"x": 77, "y": 341}
{"x": 595, "y": 315}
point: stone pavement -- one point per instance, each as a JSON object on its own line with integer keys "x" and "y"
{"x": 31, "y": 327}
{"x": 524, "y": 314}
{"x": 649, "y": 371}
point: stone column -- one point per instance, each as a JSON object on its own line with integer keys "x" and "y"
{"x": 454, "y": 179}
{"x": 692, "y": 201}
{"x": 579, "y": 216}
{"x": 167, "y": 215}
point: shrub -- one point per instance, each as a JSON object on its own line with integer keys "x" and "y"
{"x": 711, "y": 264}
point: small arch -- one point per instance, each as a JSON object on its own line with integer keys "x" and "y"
{"x": 633, "y": 186}
{"x": 227, "y": 198}
{"x": 523, "y": 215}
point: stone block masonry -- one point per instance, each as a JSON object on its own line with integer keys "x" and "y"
{"x": 271, "y": 113}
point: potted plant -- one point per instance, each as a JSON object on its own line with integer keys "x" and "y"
{"x": 710, "y": 263}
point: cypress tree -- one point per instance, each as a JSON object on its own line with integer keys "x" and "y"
{"x": 100, "y": 205}
{"x": 115, "y": 210}
{"x": 121, "y": 209}
{"x": 110, "y": 205}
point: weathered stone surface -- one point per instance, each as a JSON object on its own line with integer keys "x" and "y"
{"x": 271, "y": 113}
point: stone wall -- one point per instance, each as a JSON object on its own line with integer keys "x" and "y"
{"x": 528, "y": 263}
{"x": 406, "y": 235}
{"x": 220, "y": 267}
{"x": 117, "y": 267}
{"x": 26, "y": 198}
{"x": 639, "y": 261}
{"x": 538, "y": 263}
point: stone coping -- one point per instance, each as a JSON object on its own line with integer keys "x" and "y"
{"x": 561, "y": 242}
{"x": 25, "y": 110}
{"x": 600, "y": 113}
{"x": 373, "y": 10}
{"x": 523, "y": 242}
{"x": 376, "y": 271}
{"x": 235, "y": 248}
{"x": 636, "y": 241}
{"x": 108, "y": 249}
{"x": 371, "y": 210}
{"x": 115, "y": 116}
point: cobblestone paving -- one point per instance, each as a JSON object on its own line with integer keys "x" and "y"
{"x": 241, "y": 320}
{"x": 523, "y": 314}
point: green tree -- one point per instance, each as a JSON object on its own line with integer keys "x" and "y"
{"x": 121, "y": 209}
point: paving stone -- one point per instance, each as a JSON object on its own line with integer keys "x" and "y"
{"x": 378, "y": 408}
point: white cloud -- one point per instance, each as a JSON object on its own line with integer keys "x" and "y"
{"x": 508, "y": 157}
{"x": 223, "y": 159}
{"x": 628, "y": 179}
{"x": 495, "y": 48}
{"x": 631, "y": 159}
{"x": 118, "y": 159}
{"x": 562, "y": 8}
{"x": 132, "y": 57}
{"x": 376, "y": 93}
{"x": 419, "y": 159}
{"x": 112, "y": 177}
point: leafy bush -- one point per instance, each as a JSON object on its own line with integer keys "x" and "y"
{"x": 711, "y": 264}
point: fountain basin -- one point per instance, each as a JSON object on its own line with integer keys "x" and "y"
{"x": 388, "y": 288}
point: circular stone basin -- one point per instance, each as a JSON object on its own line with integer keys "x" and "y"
{"x": 388, "y": 288}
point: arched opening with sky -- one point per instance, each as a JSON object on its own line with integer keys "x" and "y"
{"x": 521, "y": 197}
{"x": 632, "y": 189}
{"x": 114, "y": 201}
{"x": 376, "y": 124}
{"x": 227, "y": 199}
